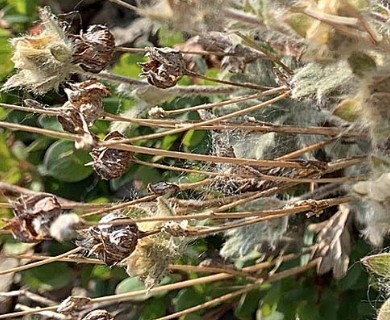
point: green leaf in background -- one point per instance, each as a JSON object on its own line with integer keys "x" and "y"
{"x": 155, "y": 308}
{"x": 48, "y": 277}
{"x": 247, "y": 306}
{"x": 128, "y": 65}
{"x": 378, "y": 263}
{"x": 131, "y": 285}
{"x": 6, "y": 65}
{"x": 308, "y": 311}
{"x": 24, "y": 7}
{"x": 187, "y": 298}
{"x": 194, "y": 137}
{"x": 65, "y": 163}
{"x": 168, "y": 38}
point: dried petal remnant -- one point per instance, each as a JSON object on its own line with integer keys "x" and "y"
{"x": 165, "y": 67}
{"x": 94, "y": 49}
{"x": 111, "y": 243}
{"x": 111, "y": 163}
{"x": 33, "y": 217}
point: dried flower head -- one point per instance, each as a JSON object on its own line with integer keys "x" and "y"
{"x": 111, "y": 243}
{"x": 73, "y": 305}
{"x": 153, "y": 254}
{"x": 43, "y": 60}
{"x": 33, "y": 217}
{"x": 165, "y": 67}
{"x": 46, "y": 60}
{"x": 84, "y": 105}
{"x": 94, "y": 49}
{"x": 98, "y": 315}
{"x": 111, "y": 163}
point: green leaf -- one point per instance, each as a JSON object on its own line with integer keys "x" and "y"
{"x": 247, "y": 306}
{"x": 6, "y": 65}
{"x": 168, "y": 38}
{"x": 128, "y": 65}
{"x": 194, "y": 137}
{"x": 48, "y": 277}
{"x": 63, "y": 162}
{"x": 378, "y": 263}
{"x": 132, "y": 285}
{"x": 308, "y": 311}
{"x": 101, "y": 272}
{"x": 187, "y": 298}
{"x": 24, "y": 7}
{"x": 168, "y": 141}
{"x": 154, "y": 309}
{"x": 351, "y": 279}
{"x": 50, "y": 123}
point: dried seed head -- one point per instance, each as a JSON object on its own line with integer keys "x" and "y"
{"x": 98, "y": 315}
{"x": 73, "y": 305}
{"x": 94, "y": 49}
{"x": 111, "y": 163}
{"x": 111, "y": 243}
{"x": 33, "y": 217}
{"x": 43, "y": 60}
{"x": 165, "y": 67}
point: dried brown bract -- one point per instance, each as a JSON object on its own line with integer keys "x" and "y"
{"x": 98, "y": 315}
{"x": 165, "y": 67}
{"x": 73, "y": 305}
{"x": 83, "y": 108}
{"x": 94, "y": 49}
{"x": 333, "y": 243}
{"x": 111, "y": 163}
{"x": 163, "y": 188}
{"x": 33, "y": 217}
{"x": 87, "y": 97}
{"x": 111, "y": 243}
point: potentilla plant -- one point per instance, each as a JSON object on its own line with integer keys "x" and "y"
{"x": 268, "y": 110}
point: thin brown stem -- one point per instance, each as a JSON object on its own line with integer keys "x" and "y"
{"x": 40, "y": 263}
